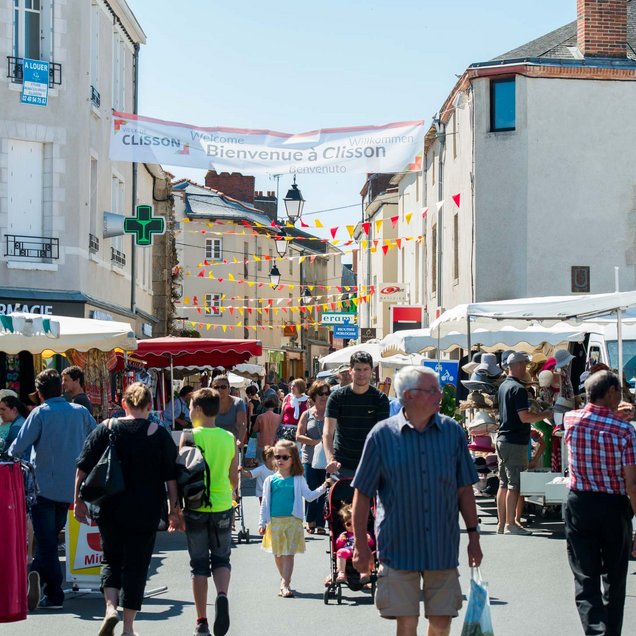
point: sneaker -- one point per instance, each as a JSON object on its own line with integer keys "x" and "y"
{"x": 221, "y": 616}
{"x": 47, "y": 603}
{"x": 33, "y": 593}
{"x": 514, "y": 529}
{"x": 202, "y": 628}
{"x": 500, "y": 529}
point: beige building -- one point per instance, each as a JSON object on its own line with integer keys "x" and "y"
{"x": 226, "y": 251}
{"x": 56, "y": 179}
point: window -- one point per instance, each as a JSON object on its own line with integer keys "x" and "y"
{"x": 454, "y": 134}
{"x": 434, "y": 259}
{"x": 259, "y": 263}
{"x": 246, "y": 270}
{"x": 213, "y": 304}
{"x": 291, "y": 267}
{"x": 93, "y": 198}
{"x": 455, "y": 247}
{"x": 214, "y": 249}
{"x": 502, "y": 104}
{"x": 117, "y": 206}
{"x": 95, "y": 20}
{"x": 119, "y": 72}
{"x": 32, "y": 20}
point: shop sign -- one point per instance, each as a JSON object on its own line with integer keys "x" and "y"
{"x": 350, "y": 332}
{"x": 338, "y": 318}
{"x": 406, "y": 317}
{"x": 368, "y": 333}
{"x": 44, "y": 308}
{"x": 11, "y": 306}
{"x": 289, "y": 331}
{"x": 393, "y": 293}
{"x": 96, "y": 314}
{"x": 146, "y": 330}
{"x": 83, "y": 551}
{"x": 144, "y": 225}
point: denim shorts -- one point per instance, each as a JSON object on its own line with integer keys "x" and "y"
{"x": 209, "y": 536}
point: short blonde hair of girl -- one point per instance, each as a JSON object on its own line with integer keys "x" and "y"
{"x": 300, "y": 384}
{"x": 138, "y": 395}
{"x": 296, "y": 467}
{"x": 345, "y": 512}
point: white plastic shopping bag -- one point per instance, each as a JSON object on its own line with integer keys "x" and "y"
{"x": 478, "y": 621}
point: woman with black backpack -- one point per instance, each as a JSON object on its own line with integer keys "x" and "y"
{"x": 128, "y": 521}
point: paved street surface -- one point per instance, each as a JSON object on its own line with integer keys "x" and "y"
{"x": 530, "y": 584}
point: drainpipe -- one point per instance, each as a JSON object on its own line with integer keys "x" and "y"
{"x": 441, "y": 136}
{"x": 133, "y": 249}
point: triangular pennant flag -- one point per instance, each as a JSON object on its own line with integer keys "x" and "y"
{"x": 351, "y": 230}
{"x": 439, "y": 205}
{"x": 398, "y": 242}
{"x": 334, "y": 231}
{"x": 407, "y": 217}
{"x": 312, "y": 258}
{"x": 385, "y": 249}
{"x": 231, "y": 310}
{"x": 302, "y": 224}
{"x": 378, "y": 224}
{"x": 318, "y": 223}
{"x": 365, "y": 227}
{"x": 394, "y": 220}
{"x": 456, "y": 198}
{"x": 224, "y": 328}
{"x": 201, "y": 274}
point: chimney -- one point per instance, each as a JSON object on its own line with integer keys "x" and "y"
{"x": 601, "y": 28}
{"x": 234, "y": 185}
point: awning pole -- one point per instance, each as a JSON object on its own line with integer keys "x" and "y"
{"x": 172, "y": 388}
{"x": 468, "y": 343}
{"x": 619, "y": 335}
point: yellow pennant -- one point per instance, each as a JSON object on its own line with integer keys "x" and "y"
{"x": 378, "y": 224}
{"x": 318, "y": 223}
{"x": 408, "y": 217}
{"x": 351, "y": 230}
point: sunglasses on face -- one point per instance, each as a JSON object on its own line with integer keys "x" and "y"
{"x": 347, "y": 523}
{"x": 220, "y": 386}
{"x": 323, "y": 393}
{"x": 282, "y": 457}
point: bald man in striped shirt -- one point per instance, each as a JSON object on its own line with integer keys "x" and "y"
{"x": 418, "y": 465}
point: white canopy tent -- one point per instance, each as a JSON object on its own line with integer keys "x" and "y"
{"x": 37, "y": 334}
{"x": 542, "y": 311}
{"x": 342, "y": 356}
{"x": 528, "y": 339}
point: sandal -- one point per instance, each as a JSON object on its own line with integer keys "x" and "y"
{"x": 341, "y": 578}
{"x": 285, "y": 592}
{"x": 321, "y": 531}
{"x": 310, "y": 530}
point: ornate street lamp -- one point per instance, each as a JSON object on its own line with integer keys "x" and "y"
{"x": 281, "y": 242}
{"x": 274, "y": 276}
{"x": 294, "y": 202}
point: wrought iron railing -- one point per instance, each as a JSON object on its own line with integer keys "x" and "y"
{"x": 15, "y": 71}
{"x": 95, "y": 97}
{"x": 117, "y": 257}
{"x": 22, "y": 246}
{"x": 93, "y": 243}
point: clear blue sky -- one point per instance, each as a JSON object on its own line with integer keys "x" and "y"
{"x": 298, "y": 66}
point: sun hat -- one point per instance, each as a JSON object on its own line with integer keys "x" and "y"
{"x": 563, "y": 357}
{"x": 545, "y": 378}
{"x": 492, "y": 461}
{"x": 470, "y": 367}
{"x": 7, "y": 393}
{"x": 481, "y": 466}
{"x": 481, "y": 444}
{"x": 549, "y": 364}
{"x": 489, "y": 365}
{"x": 343, "y": 367}
{"x": 504, "y": 358}
{"x": 479, "y": 385}
{"x": 482, "y": 423}
{"x": 518, "y": 356}
{"x": 538, "y": 357}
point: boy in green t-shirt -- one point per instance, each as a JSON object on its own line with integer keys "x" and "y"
{"x": 212, "y": 556}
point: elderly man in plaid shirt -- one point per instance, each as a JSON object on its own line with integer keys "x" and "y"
{"x": 601, "y": 503}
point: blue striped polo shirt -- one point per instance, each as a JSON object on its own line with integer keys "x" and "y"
{"x": 416, "y": 476}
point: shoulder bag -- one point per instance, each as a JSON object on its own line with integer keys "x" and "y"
{"x": 107, "y": 478}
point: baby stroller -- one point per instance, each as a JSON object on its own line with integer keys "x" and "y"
{"x": 342, "y": 492}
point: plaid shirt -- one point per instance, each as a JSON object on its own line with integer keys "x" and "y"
{"x": 599, "y": 447}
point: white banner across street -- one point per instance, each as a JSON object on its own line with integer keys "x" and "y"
{"x": 395, "y": 147}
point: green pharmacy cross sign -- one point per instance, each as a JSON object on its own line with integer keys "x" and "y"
{"x": 143, "y": 225}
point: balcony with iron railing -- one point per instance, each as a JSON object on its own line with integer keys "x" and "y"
{"x": 31, "y": 247}
{"x": 95, "y": 97}
{"x": 15, "y": 71}
{"x": 117, "y": 258}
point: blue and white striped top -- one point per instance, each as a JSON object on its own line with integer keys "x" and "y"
{"x": 416, "y": 477}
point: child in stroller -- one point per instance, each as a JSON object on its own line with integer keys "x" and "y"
{"x": 345, "y": 544}
{"x": 342, "y": 570}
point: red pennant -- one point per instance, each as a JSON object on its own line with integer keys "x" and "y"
{"x": 398, "y": 242}
{"x": 366, "y": 226}
{"x": 385, "y": 249}
{"x": 394, "y": 220}
{"x": 201, "y": 274}
{"x": 195, "y": 301}
{"x": 455, "y": 198}
{"x": 334, "y": 231}
{"x": 274, "y": 224}
{"x": 206, "y": 263}
{"x": 220, "y": 280}
{"x": 425, "y": 212}
{"x": 231, "y": 310}
{"x": 249, "y": 310}
{"x": 246, "y": 223}
{"x": 303, "y": 224}
{"x": 375, "y": 242}
{"x": 339, "y": 289}
{"x": 198, "y": 310}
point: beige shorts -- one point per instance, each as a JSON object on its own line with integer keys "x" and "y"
{"x": 513, "y": 459}
{"x": 399, "y": 592}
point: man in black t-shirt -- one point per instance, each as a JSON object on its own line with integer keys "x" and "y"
{"x": 352, "y": 411}
{"x": 513, "y": 438}
{"x": 73, "y": 387}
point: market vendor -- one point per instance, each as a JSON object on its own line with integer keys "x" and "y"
{"x": 178, "y": 410}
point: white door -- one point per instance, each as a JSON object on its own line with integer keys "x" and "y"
{"x": 25, "y": 187}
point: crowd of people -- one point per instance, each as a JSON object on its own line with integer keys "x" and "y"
{"x": 403, "y": 454}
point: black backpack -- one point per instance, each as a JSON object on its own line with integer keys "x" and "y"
{"x": 193, "y": 474}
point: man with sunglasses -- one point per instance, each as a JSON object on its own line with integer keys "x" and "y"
{"x": 352, "y": 411}
{"x": 418, "y": 466}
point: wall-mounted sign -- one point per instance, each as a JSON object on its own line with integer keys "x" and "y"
{"x": 393, "y": 293}
{"x": 350, "y": 332}
{"x": 367, "y": 333}
{"x": 35, "y": 82}
{"x": 407, "y": 317}
{"x": 143, "y": 225}
{"x": 338, "y": 318}
{"x": 580, "y": 277}
{"x": 46, "y": 308}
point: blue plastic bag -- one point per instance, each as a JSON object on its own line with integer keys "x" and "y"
{"x": 478, "y": 621}
{"x": 250, "y": 452}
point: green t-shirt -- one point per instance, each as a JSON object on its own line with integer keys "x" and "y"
{"x": 218, "y": 447}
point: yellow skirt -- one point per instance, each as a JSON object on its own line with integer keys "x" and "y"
{"x": 284, "y": 536}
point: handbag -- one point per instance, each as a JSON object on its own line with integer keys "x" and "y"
{"x": 319, "y": 459}
{"x": 478, "y": 621}
{"x": 107, "y": 478}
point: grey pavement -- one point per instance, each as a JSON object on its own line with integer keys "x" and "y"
{"x": 529, "y": 580}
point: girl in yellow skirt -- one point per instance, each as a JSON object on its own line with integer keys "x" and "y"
{"x": 282, "y": 511}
